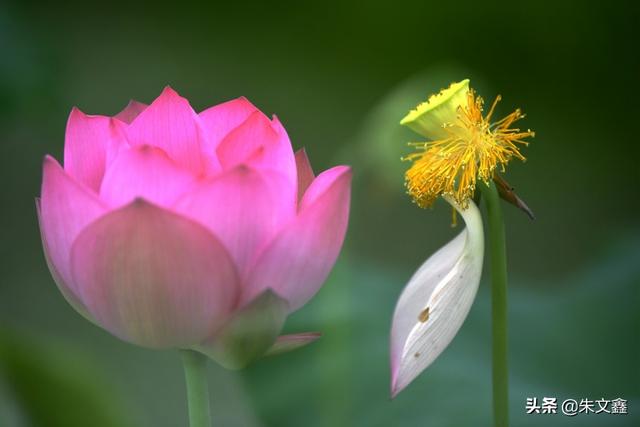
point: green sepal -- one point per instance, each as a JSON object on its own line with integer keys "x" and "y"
{"x": 249, "y": 333}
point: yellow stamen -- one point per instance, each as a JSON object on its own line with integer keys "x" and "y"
{"x": 472, "y": 149}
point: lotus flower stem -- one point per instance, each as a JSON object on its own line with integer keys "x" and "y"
{"x": 195, "y": 372}
{"x": 498, "y": 305}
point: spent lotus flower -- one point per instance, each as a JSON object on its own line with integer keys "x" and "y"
{"x": 464, "y": 146}
{"x": 176, "y": 229}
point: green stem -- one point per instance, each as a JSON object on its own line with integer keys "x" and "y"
{"x": 195, "y": 372}
{"x": 498, "y": 306}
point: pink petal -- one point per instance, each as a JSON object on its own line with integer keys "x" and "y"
{"x": 243, "y": 207}
{"x": 287, "y": 343}
{"x": 145, "y": 172}
{"x": 305, "y": 172}
{"x": 298, "y": 260}
{"x": 66, "y": 291}
{"x": 221, "y": 119}
{"x": 131, "y": 111}
{"x": 171, "y": 124}
{"x": 154, "y": 278}
{"x": 260, "y": 143}
{"x": 88, "y": 140}
{"x": 66, "y": 208}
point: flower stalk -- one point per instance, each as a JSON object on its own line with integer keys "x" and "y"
{"x": 499, "y": 329}
{"x": 195, "y": 372}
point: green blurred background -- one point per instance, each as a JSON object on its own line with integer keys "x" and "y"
{"x": 340, "y": 76}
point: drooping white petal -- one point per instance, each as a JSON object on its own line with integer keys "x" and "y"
{"x": 435, "y": 302}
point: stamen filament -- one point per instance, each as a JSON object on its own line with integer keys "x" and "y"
{"x": 473, "y": 148}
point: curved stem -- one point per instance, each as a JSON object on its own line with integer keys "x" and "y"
{"x": 498, "y": 306}
{"x": 195, "y": 372}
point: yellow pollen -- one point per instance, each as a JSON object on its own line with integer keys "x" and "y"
{"x": 473, "y": 149}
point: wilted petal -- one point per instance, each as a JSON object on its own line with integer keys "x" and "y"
{"x": 221, "y": 119}
{"x": 66, "y": 208}
{"x": 88, "y": 142}
{"x": 287, "y": 343}
{"x": 249, "y": 333}
{"x": 145, "y": 172}
{"x": 300, "y": 257}
{"x": 435, "y": 302}
{"x": 131, "y": 111}
{"x": 152, "y": 277}
{"x": 304, "y": 171}
{"x": 171, "y": 124}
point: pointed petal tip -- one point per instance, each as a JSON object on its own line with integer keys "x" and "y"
{"x": 287, "y": 343}
{"x": 52, "y": 167}
{"x": 48, "y": 159}
{"x": 76, "y": 114}
{"x": 130, "y": 111}
{"x": 393, "y": 393}
{"x": 344, "y": 169}
{"x": 398, "y": 383}
{"x": 305, "y": 172}
{"x": 170, "y": 93}
{"x": 139, "y": 202}
{"x": 243, "y": 169}
{"x": 394, "y": 389}
{"x": 311, "y": 335}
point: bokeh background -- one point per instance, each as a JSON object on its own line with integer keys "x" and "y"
{"x": 340, "y": 75}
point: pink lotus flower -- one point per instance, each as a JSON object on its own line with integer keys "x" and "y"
{"x": 170, "y": 228}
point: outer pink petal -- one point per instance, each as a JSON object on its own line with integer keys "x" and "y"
{"x": 154, "y": 278}
{"x": 261, "y": 143}
{"x": 88, "y": 140}
{"x": 298, "y": 260}
{"x": 171, "y": 124}
{"x": 221, "y": 119}
{"x": 65, "y": 289}
{"x": 146, "y": 172}
{"x": 304, "y": 171}
{"x": 131, "y": 111}
{"x": 244, "y": 207}
{"x": 66, "y": 207}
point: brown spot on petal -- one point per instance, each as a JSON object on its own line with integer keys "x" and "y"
{"x": 416, "y": 355}
{"x": 424, "y": 315}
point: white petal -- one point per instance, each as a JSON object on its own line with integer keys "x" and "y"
{"x": 435, "y": 302}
